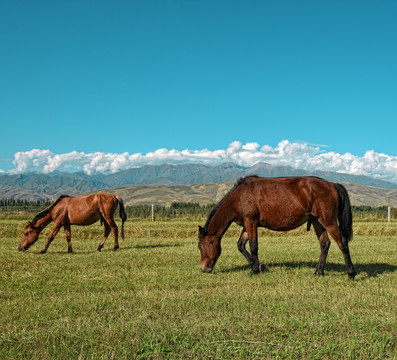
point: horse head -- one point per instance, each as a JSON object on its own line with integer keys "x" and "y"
{"x": 210, "y": 249}
{"x": 29, "y": 237}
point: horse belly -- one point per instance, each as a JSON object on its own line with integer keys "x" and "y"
{"x": 285, "y": 222}
{"x": 84, "y": 217}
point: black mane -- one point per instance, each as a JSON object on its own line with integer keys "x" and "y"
{"x": 47, "y": 210}
{"x": 215, "y": 209}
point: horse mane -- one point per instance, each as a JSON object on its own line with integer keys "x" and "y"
{"x": 47, "y": 210}
{"x": 216, "y": 208}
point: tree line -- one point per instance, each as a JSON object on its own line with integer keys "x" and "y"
{"x": 177, "y": 209}
{"x": 23, "y": 205}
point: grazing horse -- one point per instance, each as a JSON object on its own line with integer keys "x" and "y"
{"x": 72, "y": 210}
{"x": 279, "y": 204}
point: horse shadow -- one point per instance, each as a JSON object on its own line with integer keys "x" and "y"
{"x": 371, "y": 269}
{"x": 153, "y": 246}
{"x": 110, "y": 250}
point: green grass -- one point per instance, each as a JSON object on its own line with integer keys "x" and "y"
{"x": 149, "y": 300}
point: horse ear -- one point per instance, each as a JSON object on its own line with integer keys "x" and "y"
{"x": 201, "y": 231}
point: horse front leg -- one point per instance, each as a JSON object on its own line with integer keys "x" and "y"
{"x": 68, "y": 236}
{"x": 51, "y": 237}
{"x": 252, "y": 233}
{"x": 241, "y": 246}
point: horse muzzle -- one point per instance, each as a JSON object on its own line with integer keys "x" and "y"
{"x": 206, "y": 269}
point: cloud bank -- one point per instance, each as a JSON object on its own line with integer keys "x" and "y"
{"x": 297, "y": 155}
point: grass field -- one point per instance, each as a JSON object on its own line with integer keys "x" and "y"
{"x": 149, "y": 300}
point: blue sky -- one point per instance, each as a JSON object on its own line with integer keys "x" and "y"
{"x": 133, "y": 77}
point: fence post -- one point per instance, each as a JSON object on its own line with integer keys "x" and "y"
{"x": 388, "y": 213}
{"x": 152, "y": 212}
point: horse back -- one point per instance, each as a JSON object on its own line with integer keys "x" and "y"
{"x": 86, "y": 210}
{"x": 304, "y": 190}
{"x": 285, "y": 203}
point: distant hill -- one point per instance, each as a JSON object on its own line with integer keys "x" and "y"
{"x": 45, "y": 187}
{"x": 206, "y": 193}
{"x": 211, "y": 193}
{"x": 48, "y": 186}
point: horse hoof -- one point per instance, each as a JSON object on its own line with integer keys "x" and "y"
{"x": 43, "y": 251}
{"x": 254, "y": 272}
{"x": 319, "y": 273}
{"x": 115, "y": 248}
{"x": 352, "y": 276}
{"x": 262, "y": 268}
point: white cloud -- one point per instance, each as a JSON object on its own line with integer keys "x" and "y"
{"x": 296, "y": 154}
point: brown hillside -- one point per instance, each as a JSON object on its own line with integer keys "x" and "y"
{"x": 210, "y": 193}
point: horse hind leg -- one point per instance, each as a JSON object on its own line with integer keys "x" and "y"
{"x": 105, "y": 236}
{"x": 344, "y": 247}
{"x": 325, "y": 243}
{"x": 68, "y": 238}
{"x": 115, "y": 231}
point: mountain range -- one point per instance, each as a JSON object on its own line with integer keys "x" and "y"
{"x": 33, "y": 186}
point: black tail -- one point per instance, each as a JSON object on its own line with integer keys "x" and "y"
{"x": 123, "y": 215}
{"x": 345, "y": 216}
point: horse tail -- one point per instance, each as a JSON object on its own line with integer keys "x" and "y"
{"x": 345, "y": 216}
{"x": 123, "y": 215}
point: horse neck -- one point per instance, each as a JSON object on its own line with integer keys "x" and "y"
{"x": 43, "y": 222}
{"x": 221, "y": 220}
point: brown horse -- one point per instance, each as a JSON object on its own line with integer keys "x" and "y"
{"x": 71, "y": 210}
{"x": 279, "y": 204}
